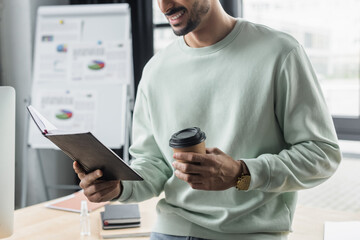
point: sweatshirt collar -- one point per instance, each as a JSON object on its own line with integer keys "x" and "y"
{"x": 215, "y": 47}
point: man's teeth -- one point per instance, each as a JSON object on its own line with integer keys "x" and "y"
{"x": 177, "y": 15}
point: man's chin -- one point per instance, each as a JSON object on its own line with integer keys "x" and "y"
{"x": 181, "y": 31}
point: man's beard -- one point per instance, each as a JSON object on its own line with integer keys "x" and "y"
{"x": 195, "y": 18}
{"x": 190, "y": 25}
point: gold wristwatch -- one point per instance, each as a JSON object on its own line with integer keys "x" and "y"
{"x": 243, "y": 181}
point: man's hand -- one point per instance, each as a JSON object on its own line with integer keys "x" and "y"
{"x": 212, "y": 171}
{"x": 97, "y": 190}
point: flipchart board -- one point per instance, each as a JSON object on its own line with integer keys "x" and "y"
{"x": 83, "y": 71}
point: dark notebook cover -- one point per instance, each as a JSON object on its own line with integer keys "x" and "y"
{"x": 118, "y": 226}
{"x": 121, "y": 213}
{"x": 87, "y": 150}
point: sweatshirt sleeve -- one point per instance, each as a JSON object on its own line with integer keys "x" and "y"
{"x": 148, "y": 162}
{"x": 313, "y": 154}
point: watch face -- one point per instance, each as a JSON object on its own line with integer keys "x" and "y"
{"x": 243, "y": 182}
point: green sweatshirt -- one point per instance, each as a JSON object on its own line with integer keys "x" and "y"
{"x": 257, "y": 98}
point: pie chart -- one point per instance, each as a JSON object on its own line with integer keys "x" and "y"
{"x": 61, "y": 48}
{"x": 96, "y": 65}
{"x": 64, "y": 114}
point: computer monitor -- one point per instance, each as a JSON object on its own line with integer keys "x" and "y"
{"x": 7, "y": 160}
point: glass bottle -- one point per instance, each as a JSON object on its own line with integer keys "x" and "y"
{"x": 84, "y": 219}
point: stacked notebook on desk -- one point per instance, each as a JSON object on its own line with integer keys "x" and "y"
{"x": 148, "y": 215}
{"x": 120, "y": 216}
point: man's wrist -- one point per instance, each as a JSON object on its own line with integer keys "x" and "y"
{"x": 244, "y": 177}
{"x": 121, "y": 190}
{"x": 243, "y": 168}
{"x": 237, "y": 168}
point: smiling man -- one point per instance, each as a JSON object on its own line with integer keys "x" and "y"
{"x": 252, "y": 90}
{"x": 183, "y": 21}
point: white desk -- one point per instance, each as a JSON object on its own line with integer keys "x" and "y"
{"x": 40, "y": 223}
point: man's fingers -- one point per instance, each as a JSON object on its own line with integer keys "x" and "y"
{"x": 186, "y": 167}
{"x": 115, "y": 192}
{"x": 215, "y": 151}
{"x": 103, "y": 191}
{"x": 106, "y": 186}
{"x": 90, "y": 178}
{"x": 78, "y": 170}
{"x": 190, "y": 178}
{"x": 97, "y": 186}
{"x": 77, "y": 167}
{"x": 94, "y": 189}
{"x": 198, "y": 186}
{"x": 189, "y": 157}
{"x": 191, "y": 168}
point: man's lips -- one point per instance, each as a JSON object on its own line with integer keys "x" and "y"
{"x": 174, "y": 11}
{"x": 174, "y": 15}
